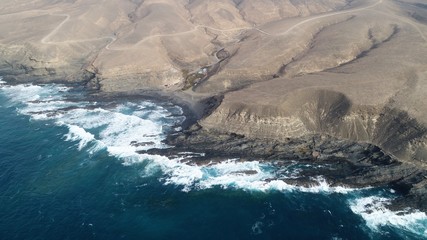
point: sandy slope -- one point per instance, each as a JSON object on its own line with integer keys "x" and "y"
{"x": 151, "y": 42}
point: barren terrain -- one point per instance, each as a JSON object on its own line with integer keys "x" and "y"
{"x": 353, "y": 70}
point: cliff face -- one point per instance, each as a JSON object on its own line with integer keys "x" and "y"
{"x": 375, "y": 98}
{"x": 328, "y": 113}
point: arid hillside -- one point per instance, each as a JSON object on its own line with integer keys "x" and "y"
{"x": 286, "y": 68}
{"x": 135, "y": 44}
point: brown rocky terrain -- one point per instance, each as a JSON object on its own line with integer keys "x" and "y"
{"x": 133, "y": 44}
{"x": 285, "y": 69}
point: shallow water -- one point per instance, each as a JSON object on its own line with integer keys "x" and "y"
{"x": 68, "y": 170}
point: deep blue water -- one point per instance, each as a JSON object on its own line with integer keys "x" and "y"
{"x": 69, "y": 173}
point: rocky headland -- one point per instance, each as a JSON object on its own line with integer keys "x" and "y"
{"x": 334, "y": 81}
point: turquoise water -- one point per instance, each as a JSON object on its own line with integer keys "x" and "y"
{"x": 68, "y": 170}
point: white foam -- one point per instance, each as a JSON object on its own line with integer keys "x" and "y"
{"x": 86, "y": 118}
{"x": 234, "y": 174}
{"x": 121, "y": 134}
{"x": 113, "y": 129}
{"x": 28, "y": 92}
{"x": 323, "y": 186}
{"x": 46, "y": 110}
{"x": 77, "y": 133}
{"x": 257, "y": 228}
{"x": 22, "y": 93}
{"x": 374, "y": 211}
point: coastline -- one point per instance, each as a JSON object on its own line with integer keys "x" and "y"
{"x": 231, "y": 119}
{"x": 345, "y": 163}
{"x": 195, "y": 108}
{"x": 349, "y": 163}
{"x": 356, "y": 164}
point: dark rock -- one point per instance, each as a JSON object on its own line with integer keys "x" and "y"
{"x": 247, "y": 172}
{"x": 141, "y": 144}
{"x": 340, "y": 162}
{"x": 222, "y": 54}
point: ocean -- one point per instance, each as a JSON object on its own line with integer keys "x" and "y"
{"x": 69, "y": 170}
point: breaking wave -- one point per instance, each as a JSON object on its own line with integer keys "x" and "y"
{"x": 374, "y": 211}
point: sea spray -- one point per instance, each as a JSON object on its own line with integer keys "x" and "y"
{"x": 374, "y": 211}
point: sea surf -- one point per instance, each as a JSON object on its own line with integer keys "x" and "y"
{"x": 70, "y": 169}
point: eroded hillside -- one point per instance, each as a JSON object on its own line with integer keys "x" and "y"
{"x": 132, "y": 44}
{"x": 288, "y": 68}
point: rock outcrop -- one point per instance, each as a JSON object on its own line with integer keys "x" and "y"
{"x": 340, "y": 162}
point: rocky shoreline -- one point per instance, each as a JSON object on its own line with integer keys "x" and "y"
{"x": 344, "y": 162}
